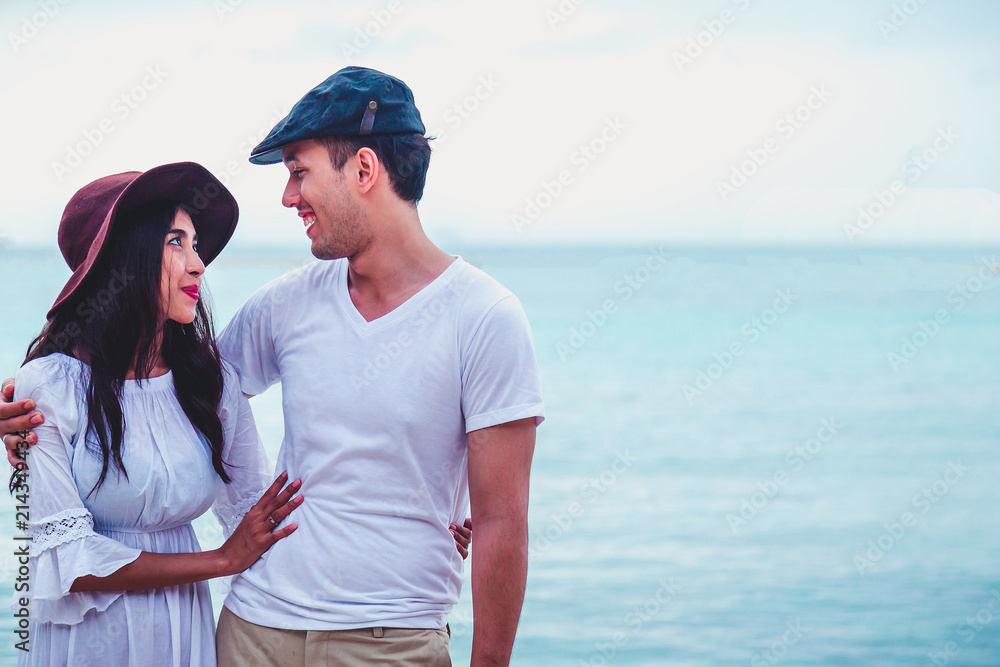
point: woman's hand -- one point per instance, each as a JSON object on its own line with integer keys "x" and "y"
{"x": 259, "y": 529}
{"x": 463, "y": 537}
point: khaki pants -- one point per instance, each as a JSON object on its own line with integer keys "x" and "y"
{"x": 240, "y": 643}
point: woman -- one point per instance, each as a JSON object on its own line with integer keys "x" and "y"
{"x": 145, "y": 429}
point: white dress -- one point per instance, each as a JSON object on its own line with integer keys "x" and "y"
{"x": 170, "y": 482}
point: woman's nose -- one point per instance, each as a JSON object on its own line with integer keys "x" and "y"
{"x": 195, "y": 265}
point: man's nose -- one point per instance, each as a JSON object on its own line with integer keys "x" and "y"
{"x": 290, "y": 197}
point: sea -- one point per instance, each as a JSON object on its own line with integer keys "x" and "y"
{"x": 752, "y": 456}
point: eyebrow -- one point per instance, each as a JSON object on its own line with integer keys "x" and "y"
{"x": 291, "y": 157}
{"x": 182, "y": 233}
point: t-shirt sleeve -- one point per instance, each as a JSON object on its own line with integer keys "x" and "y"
{"x": 247, "y": 343}
{"x": 245, "y": 460}
{"x": 500, "y": 380}
{"x": 63, "y": 545}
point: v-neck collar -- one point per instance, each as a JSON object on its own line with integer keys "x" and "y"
{"x": 364, "y": 327}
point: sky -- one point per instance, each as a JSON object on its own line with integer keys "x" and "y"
{"x": 848, "y": 124}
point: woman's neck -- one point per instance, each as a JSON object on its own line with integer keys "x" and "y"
{"x": 160, "y": 366}
{"x": 158, "y": 369}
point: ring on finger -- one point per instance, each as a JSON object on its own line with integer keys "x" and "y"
{"x": 271, "y": 519}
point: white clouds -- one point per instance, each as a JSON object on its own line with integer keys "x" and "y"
{"x": 556, "y": 88}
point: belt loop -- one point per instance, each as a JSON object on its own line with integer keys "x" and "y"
{"x": 377, "y": 633}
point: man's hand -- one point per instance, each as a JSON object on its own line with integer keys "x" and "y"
{"x": 499, "y": 470}
{"x": 16, "y": 420}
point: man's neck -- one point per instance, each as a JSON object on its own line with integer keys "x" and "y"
{"x": 395, "y": 267}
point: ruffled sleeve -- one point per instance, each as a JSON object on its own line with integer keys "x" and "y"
{"x": 63, "y": 545}
{"x": 247, "y": 463}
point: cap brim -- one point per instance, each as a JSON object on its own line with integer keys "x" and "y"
{"x": 270, "y": 156}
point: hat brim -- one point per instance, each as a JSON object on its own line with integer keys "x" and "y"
{"x": 213, "y": 210}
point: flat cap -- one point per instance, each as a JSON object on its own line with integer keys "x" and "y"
{"x": 354, "y": 102}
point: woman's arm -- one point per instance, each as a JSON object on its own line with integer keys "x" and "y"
{"x": 463, "y": 537}
{"x": 155, "y": 570}
{"x": 255, "y": 534}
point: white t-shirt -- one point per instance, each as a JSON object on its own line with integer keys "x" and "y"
{"x": 376, "y": 415}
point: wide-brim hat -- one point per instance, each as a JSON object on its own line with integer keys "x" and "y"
{"x": 353, "y": 102}
{"x": 93, "y": 212}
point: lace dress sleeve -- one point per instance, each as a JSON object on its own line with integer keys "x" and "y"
{"x": 58, "y": 529}
{"x": 63, "y": 545}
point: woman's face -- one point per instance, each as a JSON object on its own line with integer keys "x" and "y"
{"x": 182, "y": 270}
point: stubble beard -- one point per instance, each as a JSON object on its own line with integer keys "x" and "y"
{"x": 344, "y": 233}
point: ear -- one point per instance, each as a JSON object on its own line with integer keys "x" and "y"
{"x": 369, "y": 169}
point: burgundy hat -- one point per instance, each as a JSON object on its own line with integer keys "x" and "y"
{"x": 91, "y": 214}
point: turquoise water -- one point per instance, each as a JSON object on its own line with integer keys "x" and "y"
{"x": 751, "y": 456}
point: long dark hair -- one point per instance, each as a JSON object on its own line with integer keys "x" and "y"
{"x": 112, "y": 323}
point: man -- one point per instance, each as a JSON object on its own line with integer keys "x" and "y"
{"x": 409, "y": 388}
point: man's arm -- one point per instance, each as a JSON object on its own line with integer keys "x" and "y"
{"x": 16, "y": 417}
{"x": 499, "y": 471}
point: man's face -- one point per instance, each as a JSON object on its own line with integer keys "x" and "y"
{"x": 335, "y": 220}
